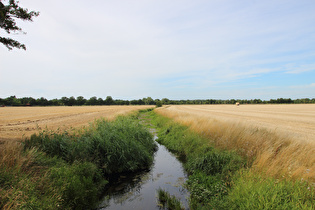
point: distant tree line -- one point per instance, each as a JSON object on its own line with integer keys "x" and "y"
{"x": 72, "y": 101}
{"x": 81, "y": 101}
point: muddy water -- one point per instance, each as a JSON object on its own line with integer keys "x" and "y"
{"x": 139, "y": 190}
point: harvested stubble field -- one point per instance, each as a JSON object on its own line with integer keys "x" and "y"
{"x": 279, "y": 140}
{"x": 19, "y": 122}
{"x": 297, "y": 120}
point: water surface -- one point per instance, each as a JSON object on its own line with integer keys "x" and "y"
{"x": 139, "y": 190}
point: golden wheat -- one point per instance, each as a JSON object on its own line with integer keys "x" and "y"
{"x": 261, "y": 139}
{"x": 16, "y": 122}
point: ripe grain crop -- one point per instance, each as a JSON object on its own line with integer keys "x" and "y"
{"x": 19, "y": 122}
{"x": 277, "y": 140}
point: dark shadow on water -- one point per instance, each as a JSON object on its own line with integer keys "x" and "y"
{"x": 138, "y": 190}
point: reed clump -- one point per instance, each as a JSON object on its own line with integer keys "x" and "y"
{"x": 119, "y": 146}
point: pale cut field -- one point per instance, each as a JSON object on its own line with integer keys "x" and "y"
{"x": 19, "y": 122}
{"x": 278, "y": 140}
{"x": 297, "y": 120}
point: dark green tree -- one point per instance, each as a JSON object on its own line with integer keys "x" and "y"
{"x": 109, "y": 101}
{"x": 80, "y": 101}
{"x": 92, "y": 101}
{"x": 72, "y": 101}
{"x": 65, "y": 101}
{"x": 56, "y": 102}
{"x": 165, "y": 101}
{"x": 12, "y": 101}
{"x": 8, "y": 15}
{"x": 158, "y": 104}
{"x": 100, "y": 101}
{"x": 42, "y": 101}
{"x": 148, "y": 101}
{"x": 28, "y": 101}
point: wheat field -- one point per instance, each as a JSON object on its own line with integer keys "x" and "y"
{"x": 19, "y": 122}
{"x": 297, "y": 120}
{"x": 278, "y": 140}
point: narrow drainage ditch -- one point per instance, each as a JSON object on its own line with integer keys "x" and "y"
{"x": 138, "y": 191}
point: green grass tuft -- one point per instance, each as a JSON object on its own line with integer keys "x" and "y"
{"x": 253, "y": 191}
{"x": 167, "y": 201}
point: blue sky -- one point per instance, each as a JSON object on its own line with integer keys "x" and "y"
{"x": 179, "y": 49}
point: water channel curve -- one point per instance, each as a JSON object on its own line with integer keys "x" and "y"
{"x": 139, "y": 190}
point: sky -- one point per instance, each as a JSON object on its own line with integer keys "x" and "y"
{"x": 176, "y": 49}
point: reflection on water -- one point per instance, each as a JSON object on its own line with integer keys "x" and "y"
{"x": 139, "y": 191}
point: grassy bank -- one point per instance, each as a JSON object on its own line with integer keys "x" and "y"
{"x": 225, "y": 178}
{"x": 270, "y": 151}
{"x": 68, "y": 170}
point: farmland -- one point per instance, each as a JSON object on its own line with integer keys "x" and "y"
{"x": 16, "y": 122}
{"x": 246, "y": 157}
{"x": 296, "y": 120}
{"x": 69, "y": 168}
{"x": 232, "y": 153}
{"x": 277, "y": 140}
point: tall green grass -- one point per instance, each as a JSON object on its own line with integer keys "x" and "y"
{"x": 221, "y": 179}
{"x": 254, "y": 191}
{"x": 167, "y": 201}
{"x": 24, "y": 182}
{"x": 115, "y": 147}
{"x": 68, "y": 170}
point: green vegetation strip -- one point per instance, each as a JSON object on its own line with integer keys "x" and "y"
{"x": 222, "y": 179}
{"x": 68, "y": 170}
{"x": 167, "y": 201}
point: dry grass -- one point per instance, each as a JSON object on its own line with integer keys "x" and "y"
{"x": 16, "y": 122}
{"x": 22, "y": 178}
{"x": 19, "y": 122}
{"x": 258, "y": 133}
{"x": 11, "y": 156}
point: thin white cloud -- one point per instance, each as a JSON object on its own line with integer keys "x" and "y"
{"x": 308, "y": 86}
{"x": 105, "y": 46}
{"x": 294, "y": 69}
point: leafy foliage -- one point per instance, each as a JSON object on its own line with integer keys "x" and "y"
{"x": 158, "y": 104}
{"x": 8, "y": 14}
